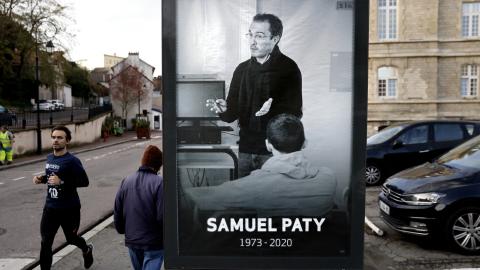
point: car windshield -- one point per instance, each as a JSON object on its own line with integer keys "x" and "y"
{"x": 384, "y": 134}
{"x": 464, "y": 155}
{"x": 2, "y": 109}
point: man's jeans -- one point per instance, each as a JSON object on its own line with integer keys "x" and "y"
{"x": 146, "y": 259}
{"x": 250, "y": 162}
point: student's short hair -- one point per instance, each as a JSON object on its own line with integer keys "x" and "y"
{"x": 285, "y": 133}
{"x": 276, "y": 26}
{"x": 68, "y": 134}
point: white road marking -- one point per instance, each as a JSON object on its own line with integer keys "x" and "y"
{"x": 37, "y": 173}
{"x": 20, "y": 178}
{"x": 156, "y": 137}
{"x": 1, "y": 183}
{"x": 114, "y": 152}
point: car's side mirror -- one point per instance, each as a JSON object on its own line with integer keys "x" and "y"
{"x": 397, "y": 144}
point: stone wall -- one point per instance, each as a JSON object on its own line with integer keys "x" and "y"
{"x": 82, "y": 133}
{"x": 428, "y": 54}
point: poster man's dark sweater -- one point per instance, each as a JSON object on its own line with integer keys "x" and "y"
{"x": 252, "y": 85}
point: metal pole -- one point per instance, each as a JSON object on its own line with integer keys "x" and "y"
{"x": 138, "y": 103}
{"x": 39, "y": 130}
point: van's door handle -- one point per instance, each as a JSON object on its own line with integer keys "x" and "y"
{"x": 425, "y": 151}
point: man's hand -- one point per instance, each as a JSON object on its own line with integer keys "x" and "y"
{"x": 37, "y": 179}
{"x": 218, "y": 105}
{"x": 265, "y": 108}
{"x": 54, "y": 180}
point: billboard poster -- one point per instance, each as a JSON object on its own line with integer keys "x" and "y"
{"x": 264, "y": 133}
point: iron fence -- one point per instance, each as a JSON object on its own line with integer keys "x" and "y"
{"x": 23, "y": 119}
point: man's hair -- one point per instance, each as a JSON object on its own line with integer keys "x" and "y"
{"x": 285, "y": 133}
{"x": 276, "y": 27}
{"x": 68, "y": 134}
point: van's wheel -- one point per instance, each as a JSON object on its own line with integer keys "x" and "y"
{"x": 373, "y": 174}
{"x": 463, "y": 230}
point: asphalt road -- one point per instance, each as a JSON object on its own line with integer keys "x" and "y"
{"x": 21, "y": 202}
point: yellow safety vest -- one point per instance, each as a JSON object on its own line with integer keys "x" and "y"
{"x": 5, "y": 140}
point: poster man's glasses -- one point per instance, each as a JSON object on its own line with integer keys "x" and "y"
{"x": 257, "y": 36}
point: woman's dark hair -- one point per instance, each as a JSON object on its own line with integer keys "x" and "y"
{"x": 285, "y": 133}
{"x": 152, "y": 157}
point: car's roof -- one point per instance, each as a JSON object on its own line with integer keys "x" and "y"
{"x": 433, "y": 121}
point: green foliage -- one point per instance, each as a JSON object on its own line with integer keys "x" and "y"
{"x": 24, "y": 26}
{"x": 78, "y": 79}
{"x": 16, "y": 72}
{"x": 140, "y": 123}
{"x": 17, "y": 63}
{"x": 112, "y": 125}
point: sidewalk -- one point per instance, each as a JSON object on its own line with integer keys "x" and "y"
{"x": 109, "y": 250}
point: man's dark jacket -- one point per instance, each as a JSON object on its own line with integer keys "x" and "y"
{"x": 138, "y": 211}
{"x": 252, "y": 85}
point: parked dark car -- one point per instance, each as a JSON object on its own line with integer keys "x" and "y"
{"x": 405, "y": 145}
{"x": 7, "y": 117}
{"x": 440, "y": 199}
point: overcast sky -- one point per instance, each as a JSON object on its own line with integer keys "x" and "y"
{"x": 116, "y": 27}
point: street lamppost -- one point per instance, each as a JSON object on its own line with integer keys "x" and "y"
{"x": 50, "y": 47}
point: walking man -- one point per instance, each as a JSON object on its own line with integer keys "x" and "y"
{"x": 138, "y": 212}
{"x": 6, "y": 145}
{"x": 64, "y": 173}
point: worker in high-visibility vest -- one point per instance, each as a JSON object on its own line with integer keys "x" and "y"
{"x": 6, "y": 145}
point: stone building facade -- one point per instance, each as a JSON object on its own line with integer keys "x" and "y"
{"x": 424, "y": 61}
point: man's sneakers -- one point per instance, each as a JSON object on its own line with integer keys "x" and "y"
{"x": 88, "y": 257}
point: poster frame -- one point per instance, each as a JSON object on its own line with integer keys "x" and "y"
{"x": 173, "y": 260}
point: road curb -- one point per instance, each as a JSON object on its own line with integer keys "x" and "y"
{"x": 14, "y": 165}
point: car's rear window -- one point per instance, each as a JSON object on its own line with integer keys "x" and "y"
{"x": 447, "y": 132}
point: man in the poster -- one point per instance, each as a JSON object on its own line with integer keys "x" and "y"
{"x": 286, "y": 185}
{"x": 267, "y": 84}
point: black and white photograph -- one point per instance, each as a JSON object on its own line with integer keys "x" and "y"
{"x": 264, "y": 95}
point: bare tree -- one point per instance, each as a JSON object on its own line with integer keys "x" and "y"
{"x": 42, "y": 20}
{"x": 45, "y": 20}
{"x": 127, "y": 88}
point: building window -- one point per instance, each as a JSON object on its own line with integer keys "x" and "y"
{"x": 469, "y": 81}
{"x": 470, "y": 15}
{"x": 387, "y": 82}
{"x": 387, "y": 19}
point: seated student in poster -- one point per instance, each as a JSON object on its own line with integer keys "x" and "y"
{"x": 286, "y": 185}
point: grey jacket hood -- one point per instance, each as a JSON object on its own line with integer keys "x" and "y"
{"x": 293, "y": 165}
